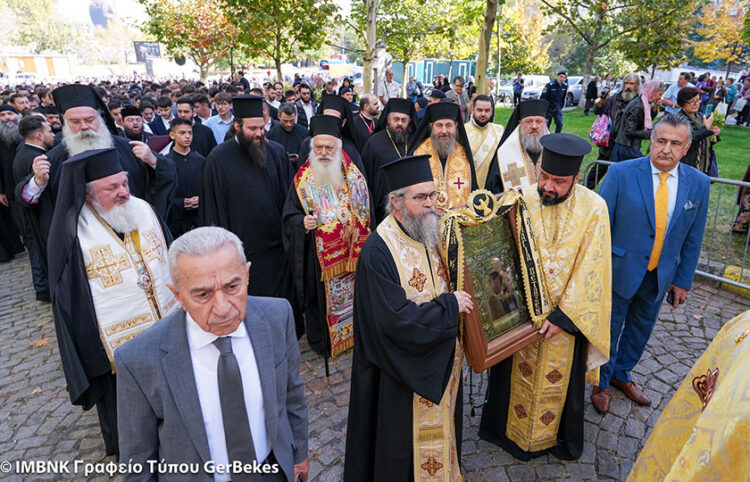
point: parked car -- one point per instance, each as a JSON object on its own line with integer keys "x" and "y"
{"x": 575, "y": 89}
{"x": 533, "y": 86}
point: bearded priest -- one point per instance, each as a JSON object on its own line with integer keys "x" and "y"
{"x": 484, "y": 135}
{"x": 108, "y": 277}
{"x": 327, "y": 218}
{"x": 405, "y": 406}
{"x": 535, "y": 398}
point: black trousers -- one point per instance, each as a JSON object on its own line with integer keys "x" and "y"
{"x": 106, "y": 408}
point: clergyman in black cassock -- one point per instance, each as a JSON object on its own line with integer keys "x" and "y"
{"x": 301, "y": 245}
{"x": 189, "y": 179}
{"x": 405, "y": 404}
{"x": 76, "y": 307}
{"x": 389, "y": 141}
{"x": 338, "y": 106}
{"x": 11, "y": 220}
{"x": 246, "y": 196}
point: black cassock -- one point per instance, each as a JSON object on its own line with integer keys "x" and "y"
{"x": 300, "y": 248}
{"x": 156, "y": 186}
{"x": 189, "y": 176}
{"x": 248, "y": 200}
{"x": 11, "y": 219}
{"x": 204, "y": 139}
{"x": 291, "y": 141}
{"x": 363, "y": 128}
{"x": 400, "y": 348}
{"x": 570, "y": 434}
{"x": 378, "y": 151}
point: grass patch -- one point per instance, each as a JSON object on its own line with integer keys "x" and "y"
{"x": 719, "y": 245}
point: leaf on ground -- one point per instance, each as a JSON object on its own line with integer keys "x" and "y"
{"x": 703, "y": 307}
{"x": 698, "y": 317}
{"x": 42, "y": 342}
{"x": 36, "y": 391}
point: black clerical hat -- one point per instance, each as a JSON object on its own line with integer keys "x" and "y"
{"x": 443, "y": 110}
{"x": 408, "y": 171}
{"x": 98, "y": 163}
{"x": 130, "y": 110}
{"x": 51, "y": 110}
{"x": 563, "y": 153}
{"x": 402, "y": 106}
{"x": 77, "y": 95}
{"x": 529, "y": 108}
{"x": 331, "y": 101}
{"x": 437, "y": 94}
{"x": 7, "y": 107}
{"x": 325, "y": 124}
{"x": 246, "y": 106}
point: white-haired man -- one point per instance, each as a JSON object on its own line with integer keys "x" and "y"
{"x": 88, "y": 125}
{"x": 107, "y": 274}
{"x": 327, "y": 218}
{"x": 516, "y": 164}
{"x": 405, "y": 406}
{"x": 218, "y": 380}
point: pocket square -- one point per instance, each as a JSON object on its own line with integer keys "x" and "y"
{"x": 689, "y": 205}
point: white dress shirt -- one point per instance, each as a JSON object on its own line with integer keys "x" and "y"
{"x": 309, "y": 111}
{"x": 205, "y": 357}
{"x": 672, "y": 183}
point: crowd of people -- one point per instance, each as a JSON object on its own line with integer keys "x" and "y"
{"x": 188, "y": 235}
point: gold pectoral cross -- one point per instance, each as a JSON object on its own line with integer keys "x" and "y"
{"x": 513, "y": 174}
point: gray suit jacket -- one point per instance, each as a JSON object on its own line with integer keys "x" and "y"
{"x": 158, "y": 409}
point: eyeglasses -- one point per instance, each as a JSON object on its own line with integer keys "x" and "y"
{"x": 422, "y": 197}
{"x": 695, "y": 101}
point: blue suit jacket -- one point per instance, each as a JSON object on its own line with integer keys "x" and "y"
{"x": 629, "y": 193}
{"x": 158, "y": 408}
{"x": 157, "y": 126}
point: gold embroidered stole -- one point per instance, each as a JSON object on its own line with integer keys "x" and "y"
{"x": 452, "y": 183}
{"x": 127, "y": 278}
{"x": 574, "y": 244}
{"x": 343, "y": 228}
{"x": 433, "y": 427}
{"x": 704, "y": 433}
{"x": 483, "y": 142}
{"x": 517, "y": 170}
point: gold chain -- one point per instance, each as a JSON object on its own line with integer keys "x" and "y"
{"x": 406, "y": 144}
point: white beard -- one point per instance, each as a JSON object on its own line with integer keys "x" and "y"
{"x": 122, "y": 218}
{"x": 329, "y": 173}
{"x": 86, "y": 140}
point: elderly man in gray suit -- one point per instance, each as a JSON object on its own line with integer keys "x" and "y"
{"x": 215, "y": 386}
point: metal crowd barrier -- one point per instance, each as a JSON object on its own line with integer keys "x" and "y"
{"x": 724, "y": 252}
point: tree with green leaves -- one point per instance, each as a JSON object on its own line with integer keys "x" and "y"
{"x": 280, "y": 29}
{"x": 485, "y": 39}
{"x": 198, "y": 29}
{"x": 35, "y": 25}
{"x": 720, "y": 29}
{"x": 521, "y": 40}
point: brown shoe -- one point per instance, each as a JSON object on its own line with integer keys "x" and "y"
{"x": 600, "y": 400}
{"x": 632, "y": 391}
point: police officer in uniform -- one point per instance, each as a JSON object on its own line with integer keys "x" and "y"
{"x": 555, "y": 93}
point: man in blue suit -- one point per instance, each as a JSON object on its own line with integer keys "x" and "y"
{"x": 216, "y": 384}
{"x": 657, "y": 210}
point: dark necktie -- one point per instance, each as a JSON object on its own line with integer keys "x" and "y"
{"x": 233, "y": 412}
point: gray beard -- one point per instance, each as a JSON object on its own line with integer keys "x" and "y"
{"x": 628, "y": 95}
{"x": 86, "y": 140}
{"x": 443, "y": 148}
{"x": 327, "y": 174}
{"x": 423, "y": 229}
{"x": 530, "y": 143}
{"x": 122, "y": 219}
{"x": 9, "y": 132}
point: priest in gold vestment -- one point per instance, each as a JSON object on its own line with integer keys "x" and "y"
{"x": 405, "y": 405}
{"x": 108, "y": 277}
{"x": 535, "y": 398}
{"x": 441, "y": 135}
{"x": 484, "y": 136}
{"x": 704, "y": 433}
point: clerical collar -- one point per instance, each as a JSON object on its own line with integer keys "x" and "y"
{"x": 181, "y": 154}
{"x": 477, "y": 125}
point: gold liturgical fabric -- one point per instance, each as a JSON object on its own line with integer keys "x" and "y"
{"x": 423, "y": 279}
{"x": 453, "y": 183}
{"x": 575, "y": 248}
{"x": 704, "y": 433}
{"x": 483, "y": 142}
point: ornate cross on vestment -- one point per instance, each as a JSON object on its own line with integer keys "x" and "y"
{"x": 107, "y": 266}
{"x": 513, "y": 174}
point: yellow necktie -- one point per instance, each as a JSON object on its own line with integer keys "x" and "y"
{"x": 661, "y": 204}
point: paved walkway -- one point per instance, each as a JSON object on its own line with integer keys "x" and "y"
{"x": 38, "y": 422}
